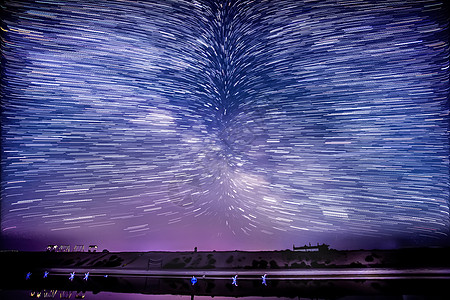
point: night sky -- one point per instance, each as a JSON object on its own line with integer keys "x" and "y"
{"x": 165, "y": 125}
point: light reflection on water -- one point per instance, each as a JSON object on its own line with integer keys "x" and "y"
{"x": 21, "y": 295}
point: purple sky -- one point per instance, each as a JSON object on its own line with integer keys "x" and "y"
{"x": 225, "y": 125}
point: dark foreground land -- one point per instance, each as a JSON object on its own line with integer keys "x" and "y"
{"x": 326, "y": 274}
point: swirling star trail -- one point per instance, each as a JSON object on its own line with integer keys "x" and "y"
{"x": 246, "y": 123}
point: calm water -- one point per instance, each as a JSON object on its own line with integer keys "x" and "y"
{"x": 21, "y": 295}
{"x": 165, "y": 288}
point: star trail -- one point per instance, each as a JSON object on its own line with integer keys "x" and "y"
{"x": 224, "y": 123}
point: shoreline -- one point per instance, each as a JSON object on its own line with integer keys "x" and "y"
{"x": 421, "y": 271}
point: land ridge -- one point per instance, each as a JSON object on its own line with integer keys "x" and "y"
{"x": 235, "y": 260}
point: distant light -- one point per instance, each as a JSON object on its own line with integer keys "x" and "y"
{"x": 28, "y": 276}
{"x": 193, "y": 280}
{"x": 234, "y": 278}
{"x": 86, "y": 275}
{"x": 46, "y": 274}
{"x": 72, "y": 275}
{"x": 264, "y": 279}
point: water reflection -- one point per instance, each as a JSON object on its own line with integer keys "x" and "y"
{"x": 22, "y": 295}
{"x": 151, "y": 288}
